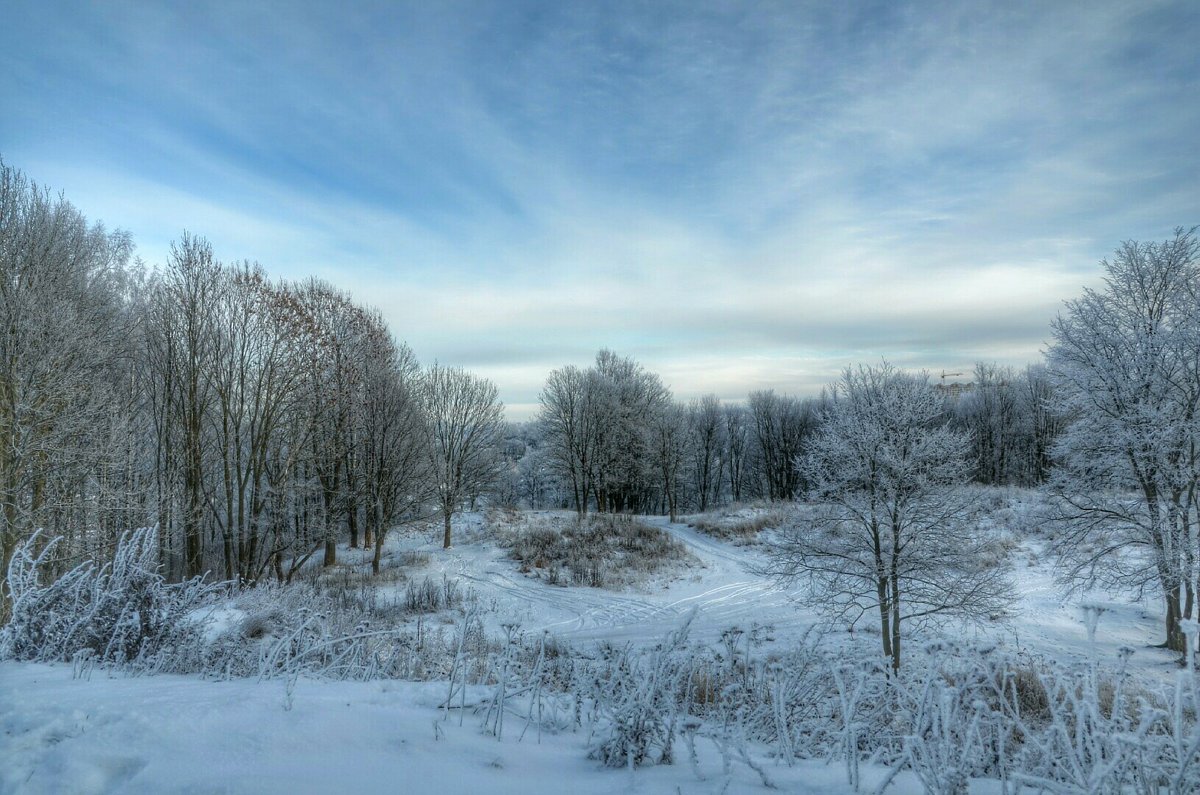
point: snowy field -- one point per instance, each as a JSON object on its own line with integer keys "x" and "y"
{"x": 151, "y": 734}
{"x": 725, "y": 591}
{"x": 177, "y": 734}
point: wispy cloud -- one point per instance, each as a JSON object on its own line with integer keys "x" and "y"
{"x": 742, "y": 195}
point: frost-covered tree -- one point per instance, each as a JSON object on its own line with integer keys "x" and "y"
{"x": 465, "y": 422}
{"x": 1126, "y": 367}
{"x": 706, "y": 442}
{"x": 626, "y": 400}
{"x": 892, "y": 532}
{"x": 598, "y": 426}
{"x": 62, "y": 335}
{"x": 397, "y": 482}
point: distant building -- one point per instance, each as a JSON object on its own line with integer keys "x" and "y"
{"x": 955, "y": 390}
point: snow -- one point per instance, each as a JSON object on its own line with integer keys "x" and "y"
{"x": 185, "y": 734}
{"x": 170, "y": 734}
{"x": 723, "y": 590}
{"x": 726, "y": 591}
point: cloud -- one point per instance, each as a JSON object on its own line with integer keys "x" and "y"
{"x": 741, "y": 196}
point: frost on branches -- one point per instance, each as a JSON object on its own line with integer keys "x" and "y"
{"x": 1126, "y": 366}
{"x": 892, "y": 535}
{"x": 120, "y": 612}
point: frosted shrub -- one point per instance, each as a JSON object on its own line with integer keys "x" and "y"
{"x": 120, "y": 612}
{"x": 429, "y": 595}
{"x": 601, "y": 551}
{"x": 947, "y": 725}
{"x": 635, "y": 698}
{"x": 295, "y": 630}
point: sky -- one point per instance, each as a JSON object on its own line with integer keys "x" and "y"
{"x": 738, "y": 195}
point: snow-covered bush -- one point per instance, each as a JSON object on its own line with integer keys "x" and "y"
{"x": 636, "y": 697}
{"x": 429, "y": 595}
{"x": 739, "y": 524}
{"x": 124, "y": 614}
{"x": 279, "y": 631}
{"x": 119, "y": 612}
{"x": 600, "y": 551}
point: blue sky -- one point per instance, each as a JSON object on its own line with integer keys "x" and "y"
{"x": 740, "y": 195}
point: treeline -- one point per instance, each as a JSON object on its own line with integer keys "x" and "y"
{"x": 256, "y": 422}
{"x": 610, "y": 437}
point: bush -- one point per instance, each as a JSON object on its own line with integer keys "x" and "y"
{"x": 430, "y": 596}
{"x": 603, "y": 550}
{"x": 637, "y": 697}
{"x": 737, "y": 525}
{"x": 115, "y": 613}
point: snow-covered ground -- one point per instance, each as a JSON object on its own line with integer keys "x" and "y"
{"x": 170, "y": 734}
{"x": 726, "y": 591}
{"x": 722, "y": 589}
{"x": 182, "y": 734}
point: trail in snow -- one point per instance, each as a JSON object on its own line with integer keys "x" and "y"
{"x": 723, "y": 590}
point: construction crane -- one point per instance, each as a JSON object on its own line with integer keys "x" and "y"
{"x": 944, "y": 374}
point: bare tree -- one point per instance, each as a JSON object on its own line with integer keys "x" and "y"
{"x": 333, "y": 378}
{"x": 737, "y": 448}
{"x": 394, "y": 456}
{"x": 1045, "y": 422}
{"x": 669, "y": 430}
{"x": 892, "y": 533}
{"x": 257, "y": 379}
{"x": 569, "y": 426}
{"x": 181, "y": 350}
{"x": 706, "y": 430}
{"x": 781, "y": 425}
{"x": 465, "y": 421}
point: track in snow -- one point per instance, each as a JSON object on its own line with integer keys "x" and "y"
{"x": 723, "y": 591}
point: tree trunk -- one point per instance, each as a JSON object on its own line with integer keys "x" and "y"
{"x": 885, "y": 616}
{"x": 446, "y": 537}
{"x": 895, "y": 596}
{"x": 378, "y": 556}
{"x": 1176, "y": 640}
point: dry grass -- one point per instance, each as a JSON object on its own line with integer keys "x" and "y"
{"x": 738, "y": 525}
{"x": 601, "y": 551}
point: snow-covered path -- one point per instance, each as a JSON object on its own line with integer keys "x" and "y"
{"x": 725, "y": 592}
{"x": 722, "y": 588}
